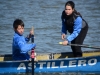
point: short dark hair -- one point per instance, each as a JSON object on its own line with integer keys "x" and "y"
{"x": 18, "y": 22}
{"x": 70, "y": 3}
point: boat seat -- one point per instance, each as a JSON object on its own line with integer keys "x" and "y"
{"x": 6, "y": 57}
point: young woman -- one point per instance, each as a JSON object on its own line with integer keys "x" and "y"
{"x": 20, "y": 46}
{"x": 73, "y": 22}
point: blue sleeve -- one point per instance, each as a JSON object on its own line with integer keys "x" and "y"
{"x": 64, "y": 30}
{"x": 23, "y": 46}
{"x": 77, "y": 29}
{"x": 27, "y": 39}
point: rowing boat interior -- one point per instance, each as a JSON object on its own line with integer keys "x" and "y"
{"x": 49, "y": 56}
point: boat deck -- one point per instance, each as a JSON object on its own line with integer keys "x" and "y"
{"x": 52, "y": 55}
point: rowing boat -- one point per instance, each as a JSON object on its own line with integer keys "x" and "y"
{"x": 53, "y": 62}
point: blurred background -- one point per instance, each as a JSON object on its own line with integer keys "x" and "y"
{"x": 45, "y": 16}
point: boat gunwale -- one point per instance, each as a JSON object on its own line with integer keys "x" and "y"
{"x": 73, "y": 58}
{"x": 6, "y": 55}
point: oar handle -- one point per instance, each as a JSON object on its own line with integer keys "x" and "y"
{"x": 85, "y": 46}
{"x": 32, "y": 38}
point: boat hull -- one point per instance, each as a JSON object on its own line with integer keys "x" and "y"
{"x": 82, "y": 64}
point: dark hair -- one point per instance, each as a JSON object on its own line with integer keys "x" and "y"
{"x": 18, "y": 22}
{"x": 70, "y": 3}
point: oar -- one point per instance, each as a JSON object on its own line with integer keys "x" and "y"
{"x": 85, "y": 46}
{"x": 32, "y": 52}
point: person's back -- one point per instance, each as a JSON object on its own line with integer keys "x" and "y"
{"x": 19, "y": 46}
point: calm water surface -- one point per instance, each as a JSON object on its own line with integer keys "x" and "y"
{"x": 45, "y": 16}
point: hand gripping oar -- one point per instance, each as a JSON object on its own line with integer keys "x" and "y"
{"x": 85, "y": 46}
{"x": 32, "y": 51}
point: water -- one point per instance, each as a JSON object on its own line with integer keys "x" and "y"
{"x": 45, "y": 16}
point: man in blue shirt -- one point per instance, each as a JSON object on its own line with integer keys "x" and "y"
{"x": 73, "y": 22}
{"x": 20, "y": 47}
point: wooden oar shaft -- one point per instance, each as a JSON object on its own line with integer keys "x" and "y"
{"x": 85, "y": 46}
{"x": 32, "y": 36}
{"x": 32, "y": 40}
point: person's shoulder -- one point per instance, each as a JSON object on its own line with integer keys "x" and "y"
{"x": 63, "y": 12}
{"x": 78, "y": 19}
{"x": 77, "y": 14}
{"x": 17, "y": 37}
